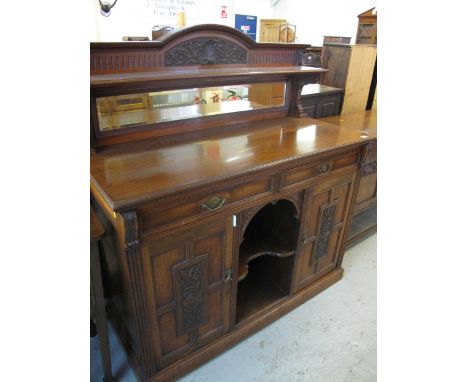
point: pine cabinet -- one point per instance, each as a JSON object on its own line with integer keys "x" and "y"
{"x": 367, "y": 27}
{"x": 270, "y": 29}
{"x": 350, "y": 67}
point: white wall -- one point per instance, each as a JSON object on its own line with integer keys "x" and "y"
{"x": 314, "y": 19}
{"x": 129, "y": 18}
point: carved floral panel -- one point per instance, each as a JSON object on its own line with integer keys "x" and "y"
{"x": 327, "y": 218}
{"x": 204, "y": 50}
{"x": 191, "y": 290}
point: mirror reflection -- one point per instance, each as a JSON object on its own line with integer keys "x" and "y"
{"x": 116, "y": 112}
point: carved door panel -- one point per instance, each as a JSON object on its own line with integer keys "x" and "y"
{"x": 367, "y": 192}
{"x": 188, "y": 288}
{"x": 324, "y": 213}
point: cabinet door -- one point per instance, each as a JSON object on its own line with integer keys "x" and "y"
{"x": 367, "y": 191}
{"x": 324, "y": 213}
{"x": 188, "y": 288}
{"x": 329, "y": 106}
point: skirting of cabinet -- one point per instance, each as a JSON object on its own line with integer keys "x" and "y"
{"x": 240, "y": 332}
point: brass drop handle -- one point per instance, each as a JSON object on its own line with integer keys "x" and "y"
{"x": 325, "y": 168}
{"x": 213, "y": 203}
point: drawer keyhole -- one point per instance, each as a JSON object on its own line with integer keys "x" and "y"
{"x": 325, "y": 168}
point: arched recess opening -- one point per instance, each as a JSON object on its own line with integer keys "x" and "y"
{"x": 266, "y": 257}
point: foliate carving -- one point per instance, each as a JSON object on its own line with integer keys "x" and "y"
{"x": 365, "y": 153}
{"x": 368, "y": 169}
{"x": 191, "y": 289}
{"x": 130, "y": 220}
{"x": 204, "y": 50}
{"x": 327, "y": 218}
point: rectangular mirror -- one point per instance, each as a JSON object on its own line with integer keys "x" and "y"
{"x": 130, "y": 110}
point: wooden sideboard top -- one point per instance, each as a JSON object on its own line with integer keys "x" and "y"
{"x": 128, "y": 174}
{"x": 98, "y": 80}
{"x": 357, "y": 121}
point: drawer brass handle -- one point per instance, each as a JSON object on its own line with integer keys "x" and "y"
{"x": 213, "y": 203}
{"x": 325, "y": 168}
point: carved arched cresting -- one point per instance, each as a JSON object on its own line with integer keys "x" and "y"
{"x": 204, "y": 51}
{"x": 191, "y": 46}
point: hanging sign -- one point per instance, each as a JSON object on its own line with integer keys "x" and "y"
{"x": 224, "y": 11}
{"x": 170, "y": 8}
{"x": 247, "y": 24}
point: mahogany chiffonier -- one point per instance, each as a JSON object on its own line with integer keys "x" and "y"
{"x": 223, "y": 208}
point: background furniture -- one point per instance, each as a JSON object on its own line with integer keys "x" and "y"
{"x": 314, "y": 49}
{"x": 135, "y": 38}
{"x": 160, "y": 30}
{"x": 372, "y": 99}
{"x": 320, "y": 101}
{"x": 98, "y": 302}
{"x": 367, "y": 27}
{"x": 311, "y": 59}
{"x": 364, "y": 220}
{"x": 287, "y": 33}
{"x": 223, "y": 220}
{"x": 336, "y": 40}
{"x": 270, "y": 29}
{"x": 350, "y": 67}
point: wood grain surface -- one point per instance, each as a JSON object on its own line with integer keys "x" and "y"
{"x": 140, "y": 171}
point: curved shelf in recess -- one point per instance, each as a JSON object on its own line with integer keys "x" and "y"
{"x": 252, "y": 250}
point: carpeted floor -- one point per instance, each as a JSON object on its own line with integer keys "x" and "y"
{"x": 331, "y": 338}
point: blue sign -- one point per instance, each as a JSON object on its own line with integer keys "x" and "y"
{"x": 248, "y": 25}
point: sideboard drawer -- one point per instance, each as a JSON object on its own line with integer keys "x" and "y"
{"x": 303, "y": 175}
{"x": 190, "y": 206}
